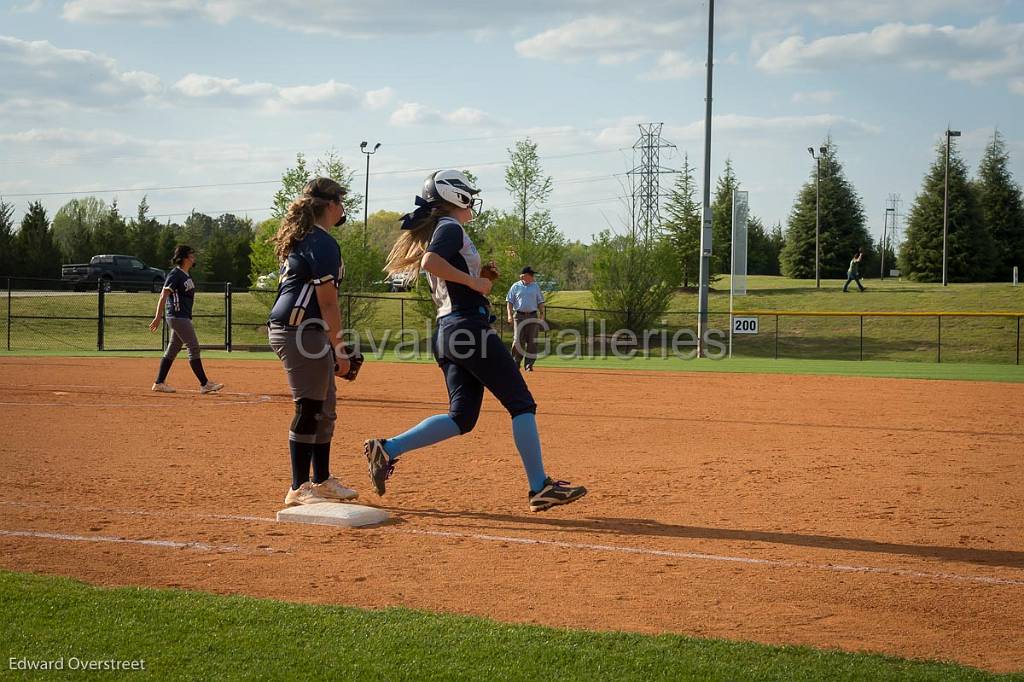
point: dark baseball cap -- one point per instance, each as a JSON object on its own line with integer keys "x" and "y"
{"x": 528, "y": 271}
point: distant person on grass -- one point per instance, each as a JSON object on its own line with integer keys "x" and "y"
{"x": 175, "y": 307}
{"x": 853, "y": 274}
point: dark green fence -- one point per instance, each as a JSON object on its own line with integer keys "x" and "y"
{"x": 48, "y": 315}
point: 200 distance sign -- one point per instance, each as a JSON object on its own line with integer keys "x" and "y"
{"x": 744, "y": 325}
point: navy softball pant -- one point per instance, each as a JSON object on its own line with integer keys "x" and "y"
{"x": 473, "y": 357}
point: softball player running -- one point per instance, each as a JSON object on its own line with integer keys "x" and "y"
{"x": 471, "y": 356}
{"x": 176, "y": 300}
{"x": 305, "y": 324}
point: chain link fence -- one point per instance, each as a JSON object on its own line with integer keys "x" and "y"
{"x": 48, "y": 315}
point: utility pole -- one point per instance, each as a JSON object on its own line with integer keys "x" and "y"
{"x": 705, "y": 234}
{"x": 945, "y": 208}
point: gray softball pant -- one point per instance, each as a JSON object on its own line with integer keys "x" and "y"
{"x": 183, "y": 333}
{"x": 309, "y": 377}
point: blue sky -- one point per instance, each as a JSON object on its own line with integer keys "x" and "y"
{"x": 137, "y": 94}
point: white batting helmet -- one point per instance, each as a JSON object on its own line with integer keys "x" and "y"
{"x": 450, "y": 185}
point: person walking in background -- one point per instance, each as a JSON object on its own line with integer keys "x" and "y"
{"x": 525, "y": 303}
{"x": 176, "y": 299}
{"x": 853, "y": 274}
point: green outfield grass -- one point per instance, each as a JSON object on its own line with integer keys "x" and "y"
{"x": 867, "y": 368}
{"x": 911, "y": 339}
{"x": 189, "y": 635}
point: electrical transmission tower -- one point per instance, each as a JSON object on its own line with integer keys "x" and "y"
{"x": 645, "y": 181}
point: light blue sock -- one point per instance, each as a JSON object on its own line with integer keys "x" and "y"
{"x": 524, "y": 431}
{"x": 429, "y": 431}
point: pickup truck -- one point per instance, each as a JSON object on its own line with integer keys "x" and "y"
{"x": 124, "y": 272}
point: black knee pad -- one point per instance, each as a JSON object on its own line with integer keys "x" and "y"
{"x": 465, "y": 422}
{"x": 307, "y": 416}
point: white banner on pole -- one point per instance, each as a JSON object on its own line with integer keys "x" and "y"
{"x": 740, "y": 210}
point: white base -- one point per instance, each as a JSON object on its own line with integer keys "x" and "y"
{"x": 333, "y": 514}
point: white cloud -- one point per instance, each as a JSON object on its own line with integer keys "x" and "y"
{"x": 200, "y": 86}
{"x": 608, "y": 38}
{"x": 46, "y": 77}
{"x": 379, "y": 99}
{"x": 416, "y": 114}
{"x": 148, "y": 12}
{"x": 1017, "y": 86}
{"x": 674, "y": 65}
{"x": 40, "y": 71}
{"x": 983, "y": 51}
{"x": 815, "y": 97}
{"x": 329, "y": 95}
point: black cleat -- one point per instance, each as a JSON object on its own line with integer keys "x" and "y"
{"x": 554, "y": 493}
{"x": 381, "y": 465}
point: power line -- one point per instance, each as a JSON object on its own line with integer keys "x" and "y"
{"x": 276, "y": 181}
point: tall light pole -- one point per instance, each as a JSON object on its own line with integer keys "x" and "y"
{"x": 705, "y": 233}
{"x": 885, "y": 228}
{"x": 817, "y": 212}
{"x": 945, "y": 206}
{"x": 366, "y": 193}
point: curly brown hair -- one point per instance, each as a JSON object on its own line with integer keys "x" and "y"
{"x": 304, "y": 212}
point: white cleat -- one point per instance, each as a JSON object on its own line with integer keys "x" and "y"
{"x": 304, "y": 495}
{"x": 210, "y": 387}
{"x": 163, "y": 388}
{"x": 332, "y": 489}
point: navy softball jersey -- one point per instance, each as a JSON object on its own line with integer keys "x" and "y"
{"x": 314, "y": 261}
{"x": 452, "y": 243}
{"x": 183, "y": 293}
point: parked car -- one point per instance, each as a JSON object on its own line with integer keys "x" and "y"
{"x": 401, "y": 281}
{"x": 548, "y": 285}
{"x": 124, "y": 272}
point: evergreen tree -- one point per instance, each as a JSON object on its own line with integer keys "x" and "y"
{"x": 721, "y": 216}
{"x": 763, "y": 248}
{"x": 37, "y": 253}
{"x": 843, "y": 225}
{"x": 969, "y": 244}
{"x": 166, "y": 242}
{"x": 8, "y": 256}
{"x": 1002, "y": 207}
{"x": 111, "y": 233}
{"x": 683, "y": 225}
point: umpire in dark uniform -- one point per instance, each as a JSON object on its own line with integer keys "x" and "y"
{"x": 526, "y": 310}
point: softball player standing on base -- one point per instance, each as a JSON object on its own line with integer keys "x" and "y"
{"x": 470, "y": 354}
{"x": 305, "y": 327}
{"x": 175, "y": 303}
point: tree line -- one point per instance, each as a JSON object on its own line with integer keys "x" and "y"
{"x": 985, "y": 232}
